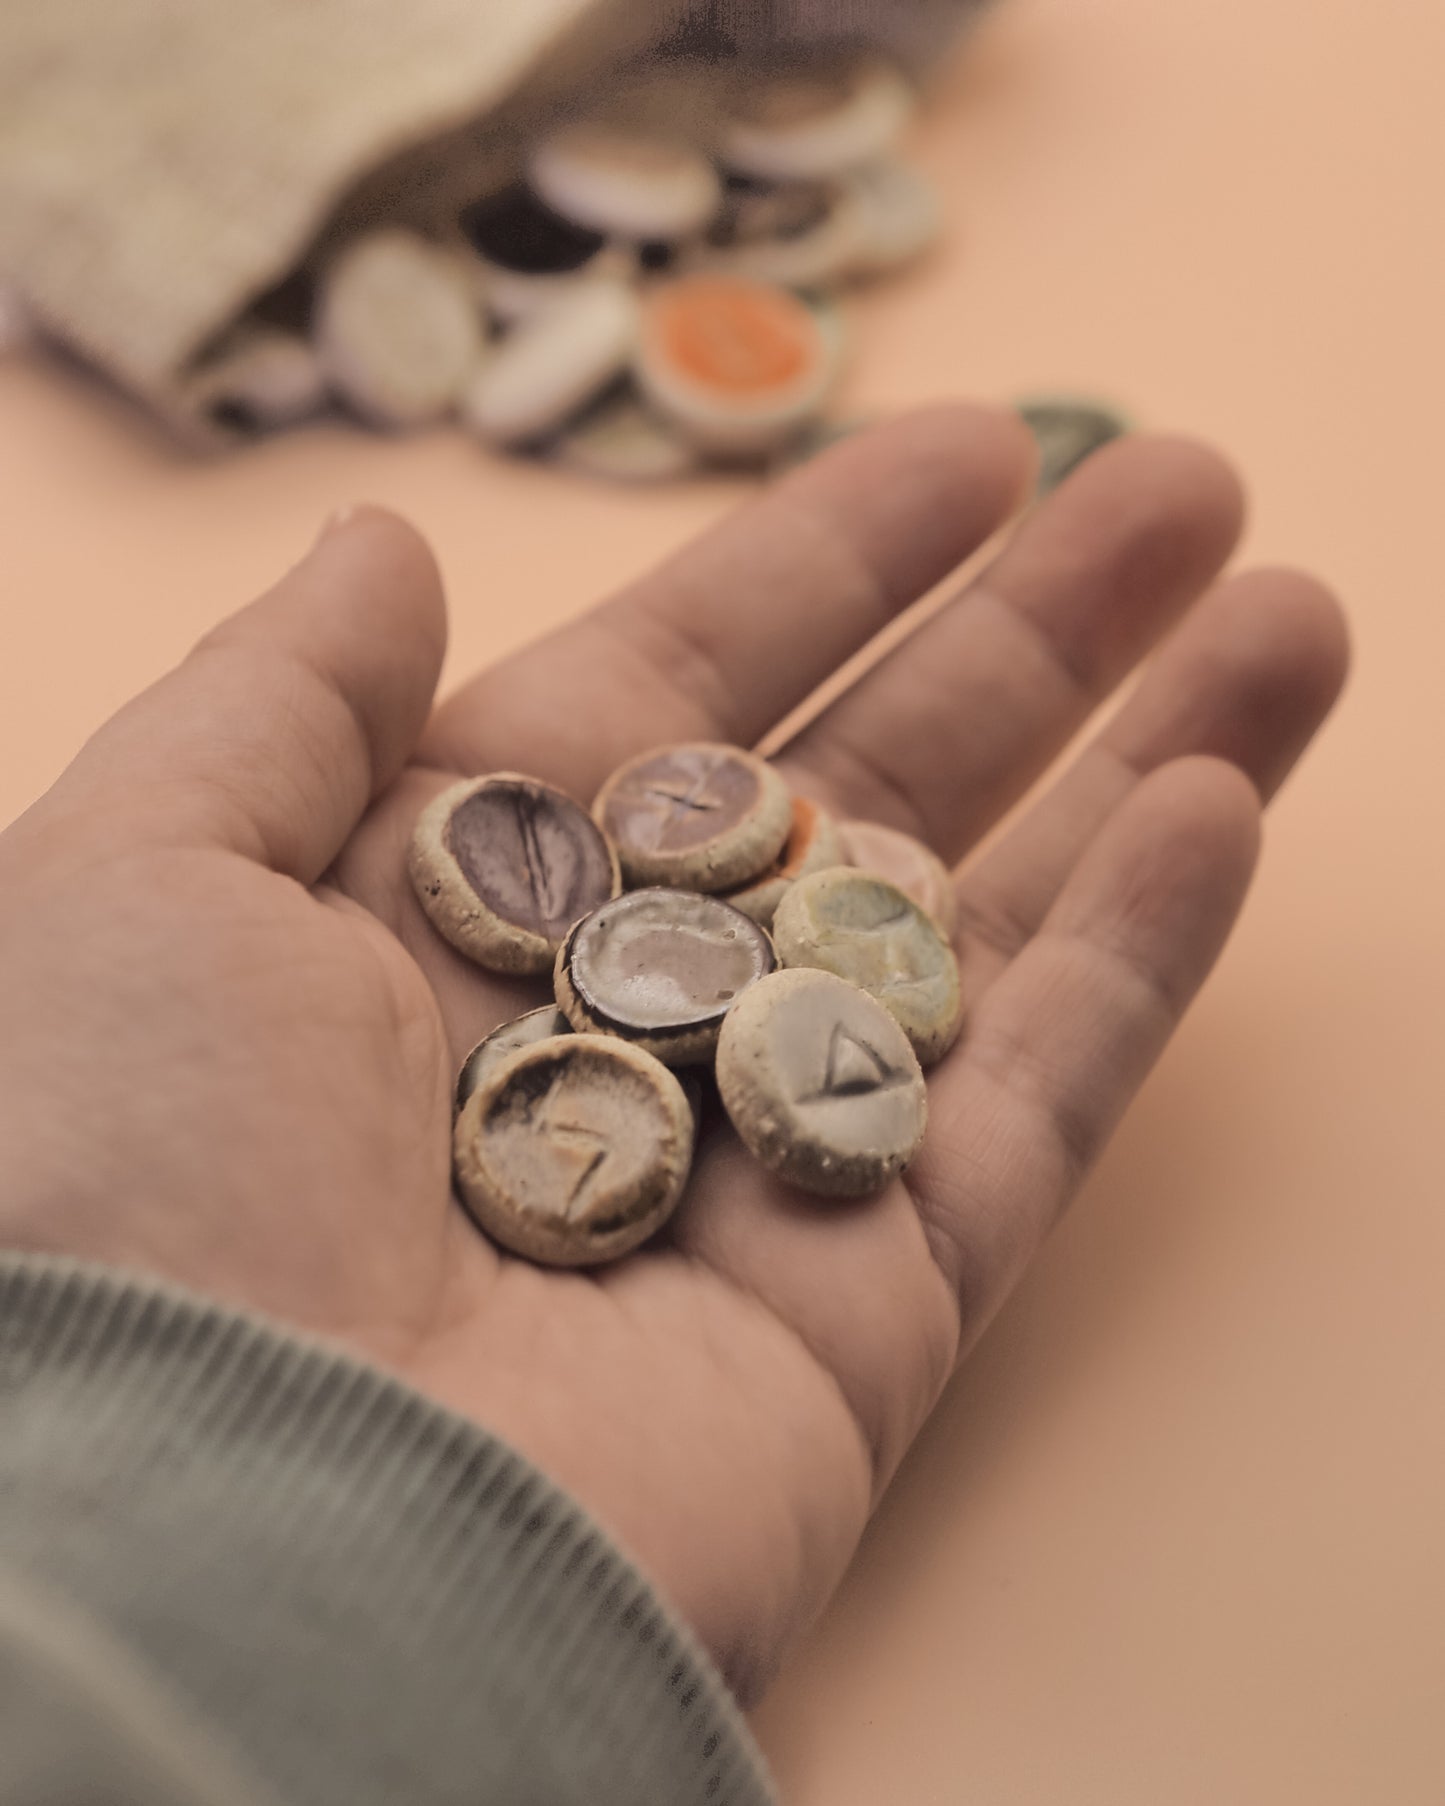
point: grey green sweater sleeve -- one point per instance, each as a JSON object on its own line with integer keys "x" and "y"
{"x": 239, "y": 1568}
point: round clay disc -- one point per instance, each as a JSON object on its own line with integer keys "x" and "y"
{"x": 900, "y": 859}
{"x": 636, "y": 185}
{"x": 661, "y": 968}
{"x": 801, "y": 235}
{"x": 553, "y": 362}
{"x": 487, "y": 1055}
{"x": 868, "y": 932}
{"x": 695, "y": 817}
{"x": 397, "y": 328}
{"x": 813, "y": 845}
{"x": 511, "y": 300}
{"x": 522, "y": 256}
{"x": 821, "y": 1084}
{"x": 817, "y": 123}
{"x": 1068, "y": 429}
{"x": 504, "y": 866}
{"x": 574, "y": 1151}
{"x": 896, "y": 215}
{"x": 261, "y": 379}
{"x": 739, "y": 366}
{"x": 620, "y": 441}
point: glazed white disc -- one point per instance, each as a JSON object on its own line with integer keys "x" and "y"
{"x": 397, "y": 328}
{"x": 807, "y": 126}
{"x": 511, "y": 297}
{"x": 627, "y": 184}
{"x": 547, "y": 367}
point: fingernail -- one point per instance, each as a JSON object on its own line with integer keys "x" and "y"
{"x": 337, "y": 519}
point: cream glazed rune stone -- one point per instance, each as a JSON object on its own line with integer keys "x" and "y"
{"x": 661, "y": 968}
{"x": 574, "y": 1151}
{"x": 813, "y": 845}
{"x": 870, "y": 933}
{"x": 397, "y": 328}
{"x": 634, "y": 184}
{"x": 700, "y": 817}
{"x": 510, "y": 1038}
{"x": 808, "y": 124}
{"x": 821, "y": 1084}
{"x": 916, "y": 869}
{"x": 504, "y": 866}
{"x": 553, "y": 362}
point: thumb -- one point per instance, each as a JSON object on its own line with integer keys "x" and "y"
{"x": 284, "y": 722}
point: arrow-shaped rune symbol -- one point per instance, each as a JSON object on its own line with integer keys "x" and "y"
{"x": 589, "y": 1149}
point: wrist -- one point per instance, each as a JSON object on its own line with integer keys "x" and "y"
{"x": 333, "y": 1570}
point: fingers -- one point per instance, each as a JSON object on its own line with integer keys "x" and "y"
{"x": 728, "y": 637}
{"x": 284, "y": 722}
{"x": 951, "y": 729}
{"x": 1059, "y": 1045}
{"x": 1248, "y": 678}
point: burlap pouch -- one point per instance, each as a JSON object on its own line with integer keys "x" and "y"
{"x": 165, "y": 162}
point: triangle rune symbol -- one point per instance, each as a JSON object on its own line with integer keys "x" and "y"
{"x": 854, "y": 1068}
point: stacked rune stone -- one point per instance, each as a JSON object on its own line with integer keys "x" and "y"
{"x": 700, "y": 919}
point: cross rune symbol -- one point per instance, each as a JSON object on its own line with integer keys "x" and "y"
{"x": 682, "y": 803}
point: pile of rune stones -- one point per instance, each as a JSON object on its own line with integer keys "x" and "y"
{"x": 654, "y": 292}
{"x": 653, "y": 288}
{"x": 700, "y": 919}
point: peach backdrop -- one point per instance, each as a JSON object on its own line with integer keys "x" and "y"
{"x": 1176, "y": 1534}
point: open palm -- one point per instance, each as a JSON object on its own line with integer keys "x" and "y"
{"x": 234, "y": 1033}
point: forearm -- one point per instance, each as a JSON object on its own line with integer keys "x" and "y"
{"x": 346, "y": 1593}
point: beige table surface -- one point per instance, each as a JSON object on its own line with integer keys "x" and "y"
{"x": 1177, "y": 1536}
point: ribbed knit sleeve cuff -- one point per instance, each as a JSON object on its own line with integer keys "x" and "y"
{"x": 364, "y": 1597}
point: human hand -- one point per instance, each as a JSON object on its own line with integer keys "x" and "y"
{"x": 232, "y": 1033}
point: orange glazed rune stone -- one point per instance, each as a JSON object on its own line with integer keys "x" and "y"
{"x": 813, "y": 845}
{"x": 739, "y": 365}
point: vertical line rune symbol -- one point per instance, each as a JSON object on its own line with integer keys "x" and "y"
{"x": 539, "y": 870}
